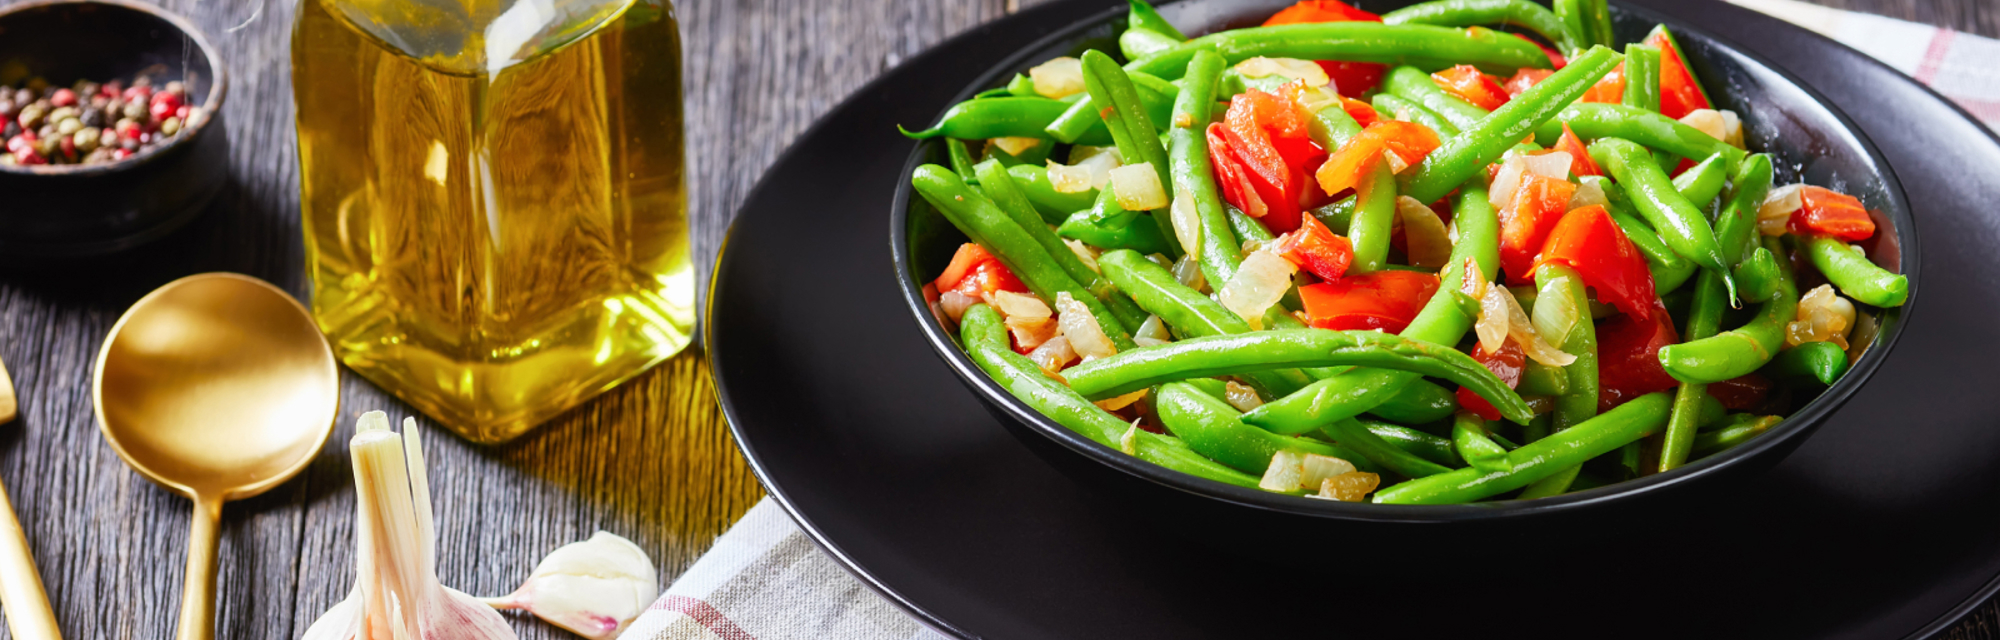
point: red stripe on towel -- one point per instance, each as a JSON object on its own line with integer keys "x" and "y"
{"x": 705, "y": 615}
{"x": 1927, "y": 70}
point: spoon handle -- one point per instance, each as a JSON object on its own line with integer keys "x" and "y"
{"x": 29, "y": 616}
{"x": 198, "y": 592}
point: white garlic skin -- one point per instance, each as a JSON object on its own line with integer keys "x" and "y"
{"x": 592, "y": 588}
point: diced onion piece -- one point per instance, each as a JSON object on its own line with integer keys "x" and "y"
{"x": 1353, "y": 486}
{"x": 1031, "y": 332}
{"x": 1554, "y": 319}
{"x": 1129, "y": 443}
{"x": 1241, "y": 396}
{"x": 1149, "y": 342}
{"x": 1732, "y": 128}
{"x": 1053, "y": 355}
{"x": 1068, "y": 179}
{"x": 1494, "y": 319}
{"x": 1187, "y": 223}
{"x": 954, "y": 304}
{"x": 1077, "y": 324}
{"x": 1058, "y": 78}
{"x": 1304, "y": 70}
{"x": 1188, "y": 272}
{"x": 1554, "y": 164}
{"x": 1018, "y": 305}
{"x": 1287, "y": 467}
{"x": 1425, "y": 239}
{"x": 1823, "y": 316}
{"x": 1015, "y": 145}
{"x": 1084, "y": 253}
{"x": 1120, "y": 402}
{"x": 1396, "y": 163}
{"x": 1259, "y": 283}
{"x": 1318, "y": 468}
{"x": 1138, "y": 188}
{"x": 1588, "y": 194}
{"x": 1316, "y": 99}
{"x": 1153, "y": 329}
{"x": 1709, "y": 121}
{"x": 1099, "y": 165}
{"x": 1776, "y": 212}
{"x": 1473, "y": 281}
{"x": 1506, "y": 181}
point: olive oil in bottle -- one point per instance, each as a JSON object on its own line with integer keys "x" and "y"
{"x": 493, "y": 198}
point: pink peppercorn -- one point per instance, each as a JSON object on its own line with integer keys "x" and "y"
{"x": 63, "y": 98}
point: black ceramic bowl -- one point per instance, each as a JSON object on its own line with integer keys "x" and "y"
{"x": 1812, "y": 141}
{"x": 68, "y": 211}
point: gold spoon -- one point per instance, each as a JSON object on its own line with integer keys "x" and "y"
{"x": 28, "y": 612}
{"x": 217, "y": 387}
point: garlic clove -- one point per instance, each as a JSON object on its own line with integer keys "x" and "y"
{"x": 593, "y": 588}
{"x": 341, "y": 622}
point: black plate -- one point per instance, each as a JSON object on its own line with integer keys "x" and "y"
{"x": 1881, "y": 525}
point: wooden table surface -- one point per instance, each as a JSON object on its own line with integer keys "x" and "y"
{"x": 652, "y": 460}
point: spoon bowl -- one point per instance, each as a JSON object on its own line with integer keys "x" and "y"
{"x": 218, "y": 387}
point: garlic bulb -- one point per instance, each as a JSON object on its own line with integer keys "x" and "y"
{"x": 396, "y": 592}
{"x": 593, "y": 588}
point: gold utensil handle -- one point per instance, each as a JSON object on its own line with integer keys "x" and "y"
{"x": 198, "y": 591}
{"x": 29, "y": 616}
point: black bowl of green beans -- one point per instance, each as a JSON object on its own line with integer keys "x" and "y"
{"x": 1091, "y": 322}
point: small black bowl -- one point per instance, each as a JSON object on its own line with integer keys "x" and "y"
{"x": 74, "y": 211}
{"x": 1812, "y": 142}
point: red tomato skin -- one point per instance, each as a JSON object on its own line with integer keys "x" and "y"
{"x": 1628, "y": 357}
{"x": 1353, "y": 79}
{"x": 1231, "y": 176}
{"x": 1609, "y": 90}
{"x": 1679, "y": 95}
{"x": 1831, "y": 213}
{"x": 1316, "y": 249}
{"x": 988, "y": 277}
{"x": 1525, "y": 79}
{"x": 1743, "y": 393}
{"x": 1466, "y": 82}
{"x": 969, "y": 255}
{"x": 1588, "y": 240}
{"x": 1257, "y": 121}
{"x": 1526, "y": 222}
{"x": 1507, "y": 364}
{"x": 1320, "y": 11}
{"x": 1386, "y": 300}
{"x": 1580, "y": 162}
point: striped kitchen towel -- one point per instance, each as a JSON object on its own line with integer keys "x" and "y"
{"x": 1959, "y": 65}
{"x": 765, "y": 580}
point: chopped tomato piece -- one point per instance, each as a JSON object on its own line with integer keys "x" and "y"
{"x": 1628, "y": 356}
{"x": 1362, "y": 112}
{"x": 1507, "y": 364}
{"x": 1231, "y": 176}
{"x": 1269, "y": 138}
{"x": 1556, "y": 59}
{"x": 1386, "y": 300}
{"x": 1466, "y": 82}
{"x": 1525, "y": 79}
{"x": 1320, "y": 11}
{"x": 1526, "y": 221}
{"x": 1741, "y": 394}
{"x": 1826, "y": 212}
{"x": 1347, "y": 167}
{"x": 1317, "y": 249}
{"x": 1590, "y": 242}
{"x": 988, "y": 277}
{"x": 1609, "y": 90}
{"x": 1579, "y": 155}
{"x": 969, "y": 255}
{"x": 1680, "y": 94}
{"x": 1353, "y": 79}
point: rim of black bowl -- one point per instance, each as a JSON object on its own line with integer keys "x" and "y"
{"x": 1782, "y": 435}
{"x": 212, "y": 105}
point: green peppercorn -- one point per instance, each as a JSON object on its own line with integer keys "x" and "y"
{"x": 87, "y": 139}
{"x": 171, "y": 126}
{"x": 69, "y": 126}
{"x": 61, "y": 113}
{"x": 32, "y": 115}
{"x": 135, "y": 110}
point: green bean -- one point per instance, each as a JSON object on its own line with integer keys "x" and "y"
{"x": 1210, "y": 356}
{"x": 1055, "y": 206}
{"x": 1555, "y": 484}
{"x": 1538, "y": 379}
{"x": 1248, "y": 229}
{"x": 1739, "y": 432}
{"x": 1590, "y": 20}
{"x": 1212, "y": 428}
{"x": 1411, "y": 83}
{"x": 985, "y": 326}
{"x": 1085, "y": 114}
{"x": 999, "y": 186}
{"x": 1678, "y": 221}
{"x": 1173, "y": 453}
{"x": 1441, "y": 321}
{"x": 1022, "y": 86}
{"x": 1404, "y": 109}
{"x": 1002, "y": 92}
{"x": 1475, "y": 446}
{"x": 1106, "y": 225}
{"x": 1856, "y": 275}
{"x": 1538, "y": 428}
{"x": 1339, "y": 216}
{"x": 1537, "y": 460}
{"x": 1358, "y": 42}
{"x": 1374, "y": 217}
{"x": 1736, "y": 226}
{"x": 1642, "y": 77}
{"x": 1756, "y": 276}
{"x": 1809, "y": 363}
{"x": 1139, "y": 43}
{"x": 1704, "y": 318}
{"x": 986, "y": 224}
{"x": 1702, "y": 183}
{"x": 1420, "y": 444}
{"x": 1194, "y": 176}
{"x": 1419, "y": 402}
{"x": 1466, "y": 155}
{"x": 1591, "y": 121}
{"x": 1143, "y": 16}
{"x": 1131, "y": 128}
{"x": 1669, "y": 269}
{"x": 1357, "y": 437}
{"x": 1331, "y": 126}
{"x": 1466, "y": 13}
{"x": 1187, "y": 311}
{"x": 1037, "y": 155}
{"x": 1007, "y": 117}
{"x": 961, "y": 160}
{"x": 1736, "y": 352}
{"x": 1562, "y": 285}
